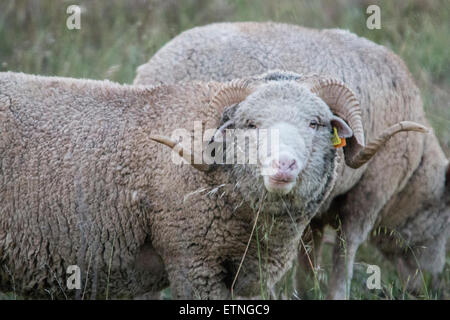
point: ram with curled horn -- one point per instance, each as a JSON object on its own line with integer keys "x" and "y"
{"x": 313, "y": 117}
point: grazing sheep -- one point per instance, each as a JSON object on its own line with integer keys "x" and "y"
{"x": 82, "y": 182}
{"x": 403, "y": 188}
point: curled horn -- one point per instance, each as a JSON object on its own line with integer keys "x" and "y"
{"x": 367, "y": 153}
{"x": 343, "y": 102}
{"x": 230, "y": 93}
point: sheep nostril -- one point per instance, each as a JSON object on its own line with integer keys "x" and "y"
{"x": 284, "y": 164}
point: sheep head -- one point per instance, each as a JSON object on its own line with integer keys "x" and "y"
{"x": 297, "y": 128}
{"x": 305, "y": 112}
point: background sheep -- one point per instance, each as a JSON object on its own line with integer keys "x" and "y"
{"x": 376, "y": 196}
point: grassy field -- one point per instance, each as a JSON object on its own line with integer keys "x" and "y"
{"x": 117, "y": 36}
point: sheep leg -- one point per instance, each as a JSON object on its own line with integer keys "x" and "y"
{"x": 357, "y": 211}
{"x": 343, "y": 260}
{"x": 309, "y": 261}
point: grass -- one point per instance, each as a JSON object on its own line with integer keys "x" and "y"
{"x": 118, "y": 36}
{"x": 391, "y": 286}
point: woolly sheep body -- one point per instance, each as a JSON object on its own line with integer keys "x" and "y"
{"x": 402, "y": 188}
{"x": 82, "y": 183}
{"x": 66, "y": 189}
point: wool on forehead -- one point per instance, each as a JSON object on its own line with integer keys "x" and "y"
{"x": 287, "y": 95}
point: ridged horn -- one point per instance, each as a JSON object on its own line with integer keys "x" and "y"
{"x": 343, "y": 103}
{"x": 176, "y": 146}
{"x": 231, "y": 93}
{"x": 372, "y": 147}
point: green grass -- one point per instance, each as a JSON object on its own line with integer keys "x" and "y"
{"x": 117, "y": 36}
{"x": 391, "y": 286}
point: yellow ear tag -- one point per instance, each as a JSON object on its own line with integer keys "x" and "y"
{"x": 337, "y": 142}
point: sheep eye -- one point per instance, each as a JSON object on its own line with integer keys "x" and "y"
{"x": 314, "y": 124}
{"x": 250, "y": 124}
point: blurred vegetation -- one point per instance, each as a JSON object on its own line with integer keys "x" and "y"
{"x": 118, "y": 36}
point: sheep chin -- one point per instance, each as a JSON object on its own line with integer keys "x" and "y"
{"x": 251, "y": 186}
{"x": 281, "y": 189}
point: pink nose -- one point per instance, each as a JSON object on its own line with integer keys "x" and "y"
{"x": 284, "y": 164}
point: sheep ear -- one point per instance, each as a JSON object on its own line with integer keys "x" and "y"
{"x": 343, "y": 129}
{"x": 225, "y": 122}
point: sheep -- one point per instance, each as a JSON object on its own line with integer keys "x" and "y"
{"x": 402, "y": 190}
{"x": 87, "y": 181}
{"x": 70, "y": 193}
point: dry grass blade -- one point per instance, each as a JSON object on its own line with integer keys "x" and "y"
{"x": 246, "y": 248}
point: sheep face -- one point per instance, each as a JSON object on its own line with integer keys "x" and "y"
{"x": 299, "y": 152}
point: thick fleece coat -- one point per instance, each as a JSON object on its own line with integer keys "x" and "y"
{"x": 83, "y": 183}
{"x": 403, "y": 188}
